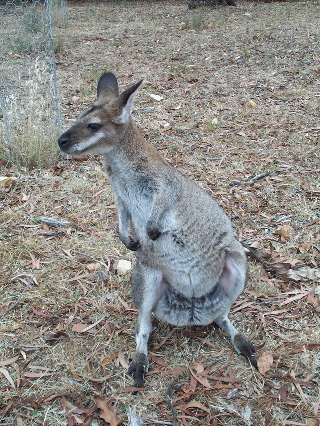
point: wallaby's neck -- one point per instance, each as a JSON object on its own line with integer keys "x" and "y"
{"x": 135, "y": 151}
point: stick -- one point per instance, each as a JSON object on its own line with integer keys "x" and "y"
{"x": 253, "y": 254}
{"x": 18, "y": 301}
{"x": 251, "y": 181}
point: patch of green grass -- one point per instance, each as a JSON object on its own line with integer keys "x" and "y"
{"x": 211, "y": 126}
{"x": 197, "y": 20}
{"x": 178, "y": 69}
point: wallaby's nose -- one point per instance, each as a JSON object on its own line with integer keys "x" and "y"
{"x": 64, "y": 140}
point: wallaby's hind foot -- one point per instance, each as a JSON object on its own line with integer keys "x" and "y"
{"x": 241, "y": 345}
{"x": 138, "y": 368}
{"x": 245, "y": 348}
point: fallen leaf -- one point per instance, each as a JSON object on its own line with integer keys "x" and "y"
{"x": 193, "y": 404}
{"x": 305, "y": 247}
{"x": 91, "y": 326}
{"x": 54, "y": 338}
{"x": 314, "y": 300}
{"x": 79, "y": 327}
{"x": 41, "y": 314}
{"x": 32, "y": 375}
{"x": 108, "y": 359}
{"x": 93, "y": 266}
{"x": 225, "y": 379}
{"x": 124, "y": 303}
{"x": 122, "y": 361}
{"x": 293, "y": 298}
{"x": 131, "y": 389}
{"x": 265, "y": 362}
{"x": 7, "y": 181}
{"x": 19, "y": 420}
{"x": 311, "y": 422}
{"x": 158, "y": 360}
{"x": 6, "y": 374}
{"x": 176, "y": 371}
{"x": 284, "y": 232}
{"x": 201, "y": 379}
{"x": 107, "y": 413}
{"x": 75, "y": 375}
{"x": 304, "y": 273}
{"x": 8, "y": 361}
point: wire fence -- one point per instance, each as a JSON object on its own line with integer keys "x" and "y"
{"x": 30, "y": 113}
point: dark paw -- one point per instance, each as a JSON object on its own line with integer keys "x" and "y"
{"x": 138, "y": 369}
{"x": 245, "y": 348}
{"x": 133, "y": 245}
{"x": 153, "y": 233}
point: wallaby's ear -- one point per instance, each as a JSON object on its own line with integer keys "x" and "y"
{"x": 126, "y": 103}
{"x": 107, "y": 87}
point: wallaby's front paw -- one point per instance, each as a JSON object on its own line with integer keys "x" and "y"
{"x": 133, "y": 245}
{"x": 245, "y": 348}
{"x": 153, "y": 233}
{"x": 138, "y": 367}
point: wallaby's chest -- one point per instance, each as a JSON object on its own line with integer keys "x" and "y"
{"x": 136, "y": 193}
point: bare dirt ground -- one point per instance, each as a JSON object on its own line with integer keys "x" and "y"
{"x": 238, "y": 113}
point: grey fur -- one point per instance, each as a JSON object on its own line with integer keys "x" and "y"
{"x": 190, "y": 267}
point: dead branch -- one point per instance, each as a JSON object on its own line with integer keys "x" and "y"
{"x": 56, "y": 223}
{"x": 252, "y": 180}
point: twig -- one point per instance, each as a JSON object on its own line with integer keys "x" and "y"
{"x": 28, "y": 285}
{"x": 96, "y": 259}
{"x": 251, "y": 181}
{"x": 253, "y": 254}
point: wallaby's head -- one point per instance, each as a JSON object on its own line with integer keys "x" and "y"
{"x": 98, "y": 129}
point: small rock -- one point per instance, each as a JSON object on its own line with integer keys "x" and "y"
{"x": 123, "y": 266}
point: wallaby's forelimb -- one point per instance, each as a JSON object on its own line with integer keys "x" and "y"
{"x": 124, "y": 220}
{"x": 157, "y": 213}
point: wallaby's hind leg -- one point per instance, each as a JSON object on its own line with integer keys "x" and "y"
{"x": 232, "y": 281}
{"x": 241, "y": 345}
{"x": 146, "y": 285}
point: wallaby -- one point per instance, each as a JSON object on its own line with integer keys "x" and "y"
{"x": 190, "y": 268}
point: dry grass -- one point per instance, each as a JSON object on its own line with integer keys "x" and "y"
{"x": 27, "y": 87}
{"x": 240, "y": 96}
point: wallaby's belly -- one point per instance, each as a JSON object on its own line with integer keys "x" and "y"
{"x": 178, "y": 310}
{"x": 195, "y": 238}
{"x": 191, "y": 271}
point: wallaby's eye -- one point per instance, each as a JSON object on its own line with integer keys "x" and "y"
{"x": 94, "y": 126}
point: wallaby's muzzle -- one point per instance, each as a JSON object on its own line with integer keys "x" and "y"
{"x": 64, "y": 141}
